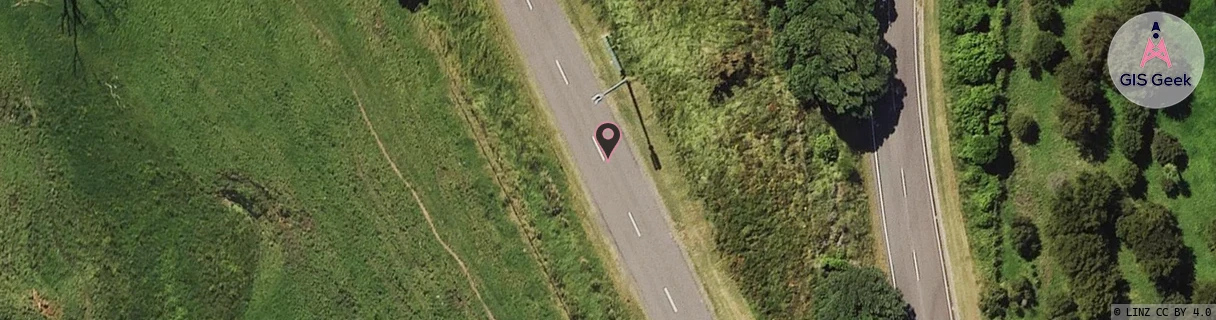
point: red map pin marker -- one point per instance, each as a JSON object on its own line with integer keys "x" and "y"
{"x": 606, "y": 137}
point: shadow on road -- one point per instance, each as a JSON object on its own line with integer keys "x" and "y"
{"x": 866, "y": 135}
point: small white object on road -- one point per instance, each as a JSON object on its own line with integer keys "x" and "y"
{"x": 529, "y": 4}
{"x": 635, "y": 225}
{"x": 597, "y": 149}
{"x": 673, "y": 302}
{"x": 559, "y": 69}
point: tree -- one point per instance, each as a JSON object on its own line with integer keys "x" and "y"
{"x": 1129, "y": 176}
{"x": 1133, "y": 121}
{"x": 1167, "y": 149}
{"x": 1151, "y": 232}
{"x": 970, "y": 16}
{"x": 1021, "y": 293}
{"x": 1045, "y": 52}
{"x": 1078, "y": 81}
{"x": 1024, "y": 127}
{"x": 850, "y": 292}
{"x": 1047, "y": 16}
{"x": 1025, "y": 236}
{"x": 1089, "y": 203}
{"x": 1060, "y": 308}
{"x": 833, "y": 53}
{"x": 1082, "y": 125}
{"x": 980, "y": 149}
{"x": 973, "y": 57}
{"x": 1095, "y": 37}
{"x": 994, "y": 301}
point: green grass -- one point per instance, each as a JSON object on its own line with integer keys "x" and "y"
{"x": 110, "y": 206}
{"x": 1194, "y": 212}
{"x": 1053, "y": 158}
{"x": 774, "y": 203}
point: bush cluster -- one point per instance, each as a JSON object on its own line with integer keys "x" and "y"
{"x": 1080, "y": 224}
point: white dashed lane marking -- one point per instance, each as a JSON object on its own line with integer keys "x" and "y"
{"x": 559, "y": 69}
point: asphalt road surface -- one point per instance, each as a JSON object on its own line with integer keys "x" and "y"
{"x": 907, "y": 203}
{"x": 626, "y": 200}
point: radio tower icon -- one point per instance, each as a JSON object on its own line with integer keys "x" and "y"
{"x": 1156, "y": 52}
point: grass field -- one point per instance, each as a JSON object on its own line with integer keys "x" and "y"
{"x": 1054, "y": 158}
{"x": 746, "y": 172}
{"x": 209, "y": 160}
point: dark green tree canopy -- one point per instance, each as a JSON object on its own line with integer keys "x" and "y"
{"x": 833, "y": 53}
{"x": 848, "y": 292}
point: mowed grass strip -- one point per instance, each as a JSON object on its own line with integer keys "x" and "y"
{"x": 208, "y": 160}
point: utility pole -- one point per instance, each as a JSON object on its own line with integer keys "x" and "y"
{"x": 616, "y": 62}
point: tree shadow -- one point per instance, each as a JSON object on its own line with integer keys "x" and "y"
{"x": 1182, "y": 277}
{"x": 884, "y": 11}
{"x": 867, "y": 135}
{"x": 1180, "y": 111}
{"x": 1174, "y": 7}
{"x": 413, "y": 5}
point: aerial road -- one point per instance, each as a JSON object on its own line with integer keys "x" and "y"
{"x": 906, "y": 198}
{"x": 625, "y": 200}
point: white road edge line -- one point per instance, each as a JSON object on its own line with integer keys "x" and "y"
{"x": 559, "y": 69}
{"x": 597, "y": 149}
{"x": 916, "y": 265}
{"x": 903, "y": 181}
{"x": 882, "y": 209}
{"x": 673, "y": 302}
{"x": 529, "y": 4}
{"x": 635, "y": 225}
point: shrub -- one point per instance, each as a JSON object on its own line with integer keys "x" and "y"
{"x": 1024, "y": 127}
{"x": 1078, "y": 81}
{"x": 972, "y": 16}
{"x": 1129, "y": 137}
{"x": 973, "y": 57}
{"x": 1095, "y": 37}
{"x": 1025, "y": 236}
{"x": 983, "y": 195}
{"x": 849, "y": 292}
{"x": 1090, "y": 265}
{"x": 1128, "y": 176}
{"x": 1167, "y": 149}
{"x": 1088, "y": 203}
{"x": 1046, "y": 16}
{"x": 994, "y": 301}
{"x": 1045, "y": 52}
{"x": 979, "y": 149}
{"x": 1081, "y": 125}
{"x": 1021, "y": 293}
{"x": 971, "y": 113}
{"x": 1151, "y": 232}
{"x": 1060, "y": 308}
{"x": 831, "y": 50}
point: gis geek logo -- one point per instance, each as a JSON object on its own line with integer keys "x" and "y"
{"x": 1159, "y": 80}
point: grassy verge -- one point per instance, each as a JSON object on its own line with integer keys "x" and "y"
{"x": 202, "y": 162}
{"x": 962, "y": 263}
{"x": 759, "y": 188}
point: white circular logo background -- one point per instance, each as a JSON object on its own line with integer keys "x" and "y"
{"x": 1155, "y": 60}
